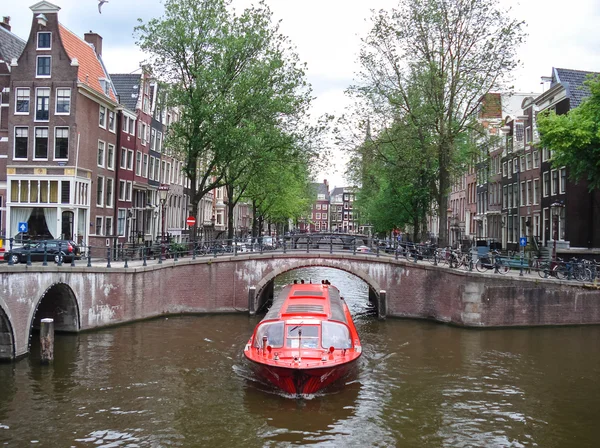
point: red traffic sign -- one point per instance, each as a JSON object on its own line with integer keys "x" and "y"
{"x": 191, "y": 221}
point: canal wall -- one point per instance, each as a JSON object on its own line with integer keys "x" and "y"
{"x": 81, "y": 298}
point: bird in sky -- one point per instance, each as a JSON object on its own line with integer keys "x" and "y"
{"x": 100, "y": 3}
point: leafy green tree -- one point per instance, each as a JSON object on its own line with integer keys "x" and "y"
{"x": 232, "y": 79}
{"x": 430, "y": 62}
{"x": 574, "y": 137}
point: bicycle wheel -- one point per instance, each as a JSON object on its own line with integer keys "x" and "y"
{"x": 482, "y": 265}
{"x": 502, "y": 266}
{"x": 561, "y": 271}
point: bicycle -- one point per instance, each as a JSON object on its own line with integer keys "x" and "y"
{"x": 493, "y": 260}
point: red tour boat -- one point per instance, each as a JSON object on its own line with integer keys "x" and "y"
{"x": 306, "y": 341}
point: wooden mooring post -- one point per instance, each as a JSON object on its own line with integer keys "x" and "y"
{"x": 382, "y": 305}
{"x": 47, "y": 340}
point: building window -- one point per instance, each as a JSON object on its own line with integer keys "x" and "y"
{"x": 130, "y": 160}
{"x": 546, "y": 154}
{"x": 42, "y": 104}
{"x": 536, "y": 191}
{"x": 563, "y": 180}
{"x": 132, "y": 126}
{"x": 126, "y": 124}
{"x": 63, "y": 101}
{"x": 122, "y": 190}
{"x": 142, "y": 136}
{"x": 21, "y": 143}
{"x": 123, "y": 163}
{"x": 128, "y": 191}
{"x": 504, "y": 165}
{"x": 121, "y": 222}
{"x": 145, "y": 167}
{"x": 528, "y": 135}
{"x": 528, "y": 162}
{"x": 546, "y": 184}
{"x": 138, "y": 163}
{"x": 44, "y": 40}
{"x": 43, "y": 66}
{"x": 22, "y": 102}
{"x": 41, "y": 143}
{"x": 151, "y": 169}
{"x": 324, "y": 216}
{"x": 324, "y": 206}
{"x": 522, "y": 193}
{"x": 158, "y": 141}
{"x": 108, "y": 226}
{"x": 522, "y": 164}
{"x": 109, "y": 192}
{"x": 318, "y": 216}
{"x": 100, "y": 192}
{"x": 536, "y": 159}
{"x": 110, "y": 157}
{"x": 101, "y": 153}
{"x": 102, "y": 117}
{"x": 528, "y": 199}
{"x": 554, "y": 182}
{"x": 153, "y": 139}
{"x": 504, "y": 196}
{"x": 111, "y": 121}
{"x": 61, "y": 143}
{"x": 98, "y": 225}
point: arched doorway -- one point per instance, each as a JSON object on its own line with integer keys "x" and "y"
{"x": 7, "y": 345}
{"x": 58, "y": 303}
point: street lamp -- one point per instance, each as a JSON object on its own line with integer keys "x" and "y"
{"x": 163, "y": 193}
{"x": 556, "y": 209}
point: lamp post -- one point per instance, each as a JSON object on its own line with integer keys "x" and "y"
{"x": 163, "y": 193}
{"x": 556, "y": 209}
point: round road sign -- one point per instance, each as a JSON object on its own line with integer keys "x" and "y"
{"x": 191, "y": 221}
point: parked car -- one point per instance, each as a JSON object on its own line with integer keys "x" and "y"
{"x": 54, "y": 249}
{"x": 363, "y": 249}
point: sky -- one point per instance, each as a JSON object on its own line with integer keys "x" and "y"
{"x": 327, "y": 36}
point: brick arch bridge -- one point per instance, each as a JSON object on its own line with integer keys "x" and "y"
{"x": 82, "y": 298}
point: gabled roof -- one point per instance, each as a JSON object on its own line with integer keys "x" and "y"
{"x": 336, "y": 191}
{"x": 128, "y": 88}
{"x": 321, "y": 188}
{"x": 11, "y": 45}
{"x": 91, "y": 69}
{"x": 573, "y": 80}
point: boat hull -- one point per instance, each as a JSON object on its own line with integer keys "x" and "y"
{"x": 303, "y": 381}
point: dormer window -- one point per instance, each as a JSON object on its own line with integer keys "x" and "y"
{"x": 44, "y": 40}
{"x": 105, "y": 86}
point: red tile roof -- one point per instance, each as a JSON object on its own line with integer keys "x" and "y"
{"x": 90, "y": 68}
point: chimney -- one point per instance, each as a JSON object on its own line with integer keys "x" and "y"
{"x": 325, "y": 181}
{"x": 96, "y": 40}
{"x": 5, "y": 23}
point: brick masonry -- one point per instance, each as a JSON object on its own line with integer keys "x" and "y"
{"x": 110, "y": 296}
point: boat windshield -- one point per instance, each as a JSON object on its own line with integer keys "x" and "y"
{"x": 335, "y": 335}
{"x": 304, "y": 336}
{"x": 274, "y": 333}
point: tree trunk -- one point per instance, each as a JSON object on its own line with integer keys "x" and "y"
{"x": 444, "y": 178}
{"x": 254, "y": 221}
{"x": 230, "y": 207}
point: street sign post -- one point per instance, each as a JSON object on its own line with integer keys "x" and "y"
{"x": 522, "y": 243}
{"x": 23, "y": 227}
{"x": 191, "y": 221}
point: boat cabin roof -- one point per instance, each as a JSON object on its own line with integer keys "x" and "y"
{"x": 311, "y": 300}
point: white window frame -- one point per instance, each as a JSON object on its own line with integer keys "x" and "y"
{"x": 109, "y": 192}
{"x": 56, "y": 112}
{"x": 145, "y": 166}
{"x": 110, "y": 156}
{"x": 562, "y": 186}
{"x": 128, "y": 191}
{"x": 28, "y": 100}
{"x": 100, "y": 197}
{"x": 37, "y": 66}
{"x": 132, "y": 127}
{"x": 121, "y": 218}
{"x": 101, "y": 163}
{"x": 546, "y": 191}
{"x": 536, "y": 157}
{"x": 123, "y": 161}
{"x": 102, "y": 118}
{"x": 122, "y": 189}
{"x": 57, "y": 128}
{"x": 15, "y": 143}
{"x": 37, "y": 95}
{"x": 37, "y": 41}
{"x": 138, "y": 163}
{"x": 151, "y": 168}
{"x": 535, "y": 190}
{"x": 130, "y": 160}
{"x": 552, "y": 190}
{"x": 125, "y": 124}
{"x": 108, "y": 230}
{"x": 96, "y": 226}
{"x": 112, "y": 127}
{"x": 47, "y": 142}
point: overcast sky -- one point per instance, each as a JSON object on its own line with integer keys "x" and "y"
{"x": 327, "y": 36}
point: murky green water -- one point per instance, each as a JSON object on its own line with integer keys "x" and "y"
{"x": 183, "y": 382}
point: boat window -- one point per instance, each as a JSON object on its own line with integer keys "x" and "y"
{"x": 335, "y": 335}
{"x": 304, "y": 336}
{"x": 274, "y": 333}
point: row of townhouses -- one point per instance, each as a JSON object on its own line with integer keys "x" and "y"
{"x": 331, "y": 211}
{"x": 512, "y": 191}
{"x": 82, "y": 151}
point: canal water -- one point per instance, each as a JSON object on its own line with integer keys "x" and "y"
{"x": 182, "y": 381}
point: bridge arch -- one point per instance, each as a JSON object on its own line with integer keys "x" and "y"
{"x": 59, "y": 303}
{"x": 7, "y": 338}
{"x": 264, "y": 288}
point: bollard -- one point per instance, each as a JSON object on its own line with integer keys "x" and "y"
{"x": 29, "y": 255}
{"x": 416, "y": 256}
{"x": 251, "y": 297}
{"x": 108, "y": 257}
{"x": 284, "y": 250}
{"x": 10, "y": 259}
{"x": 382, "y": 306}
{"x": 521, "y": 272}
{"x": 307, "y": 244}
{"x": 377, "y": 251}
{"x": 73, "y": 258}
{"x": 435, "y": 257}
{"x": 160, "y": 253}
{"x": 89, "y": 257}
{"x": 126, "y": 264}
{"x": 145, "y": 263}
{"x": 330, "y": 244}
{"x": 45, "y": 263}
{"x": 47, "y": 340}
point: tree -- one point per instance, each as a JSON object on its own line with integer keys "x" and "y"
{"x": 574, "y": 138}
{"x": 231, "y": 77}
{"x": 430, "y": 62}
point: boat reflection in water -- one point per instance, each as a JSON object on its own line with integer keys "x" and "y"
{"x": 307, "y": 341}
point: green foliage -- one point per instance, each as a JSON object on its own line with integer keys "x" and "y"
{"x": 574, "y": 138}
